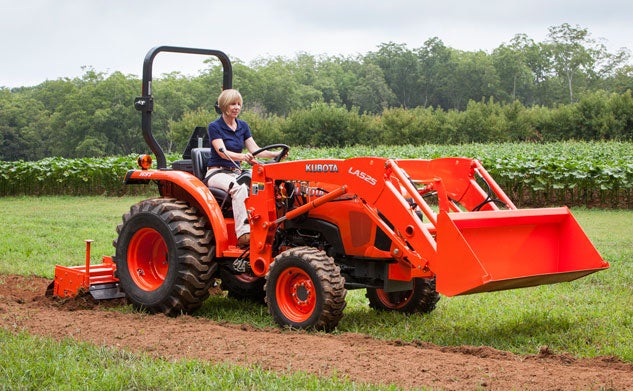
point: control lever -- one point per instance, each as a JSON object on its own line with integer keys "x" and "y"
{"x": 232, "y": 161}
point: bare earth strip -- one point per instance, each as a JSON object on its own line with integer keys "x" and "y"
{"x": 358, "y": 357}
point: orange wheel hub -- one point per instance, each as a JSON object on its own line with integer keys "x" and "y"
{"x": 147, "y": 259}
{"x": 296, "y": 294}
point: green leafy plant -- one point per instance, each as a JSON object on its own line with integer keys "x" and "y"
{"x": 570, "y": 173}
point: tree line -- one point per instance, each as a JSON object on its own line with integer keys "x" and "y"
{"x": 566, "y": 87}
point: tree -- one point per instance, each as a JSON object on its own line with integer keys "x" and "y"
{"x": 275, "y": 90}
{"x": 173, "y": 97}
{"x": 621, "y": 81}
{"x": 474, "y": 78}
{"x": 93, "y": 115}
{"x": 400, "y": 67}
{"x": 116, "y": 120}
{"x": 371, "y": 94}
{"x": 435, "y": 70}
{"x": 181, "y": 130}
{"x": 323, "y": 125}
{"x": 341, "y": 75}
{"x": 574, "y": 54}
{"x": 329, "y": 78}
{"x": 99, "y": 109}
{"x": 24, "y": 127}
{"x": 511, "y": 64}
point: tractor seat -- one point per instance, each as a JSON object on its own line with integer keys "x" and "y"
{"x": 199, "y": 159}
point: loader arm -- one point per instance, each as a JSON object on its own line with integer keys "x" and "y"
{"x": 377, "y": 182}
{"x": 475, "y": 239}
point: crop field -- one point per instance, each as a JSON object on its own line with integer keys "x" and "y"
{"x": 572, "y": 173}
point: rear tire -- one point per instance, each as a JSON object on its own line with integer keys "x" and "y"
{"x": 421, "y": 299}
{"x": 165, "y": 257}
{"x": 305, "y": 290}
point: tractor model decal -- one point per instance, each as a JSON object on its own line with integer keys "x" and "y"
{"x": 363, "y": 175}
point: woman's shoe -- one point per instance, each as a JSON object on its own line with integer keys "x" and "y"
{"x": 244, "y": 241}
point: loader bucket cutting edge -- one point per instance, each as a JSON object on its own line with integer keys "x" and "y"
{"x": 498, "y": 250}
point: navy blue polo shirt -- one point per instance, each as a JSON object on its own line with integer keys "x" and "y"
{"x": 233, "y": 140}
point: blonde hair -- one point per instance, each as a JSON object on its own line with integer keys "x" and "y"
{"x": 227, "y": 97}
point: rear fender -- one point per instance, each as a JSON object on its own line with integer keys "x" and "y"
{"x": 194, "y": 190}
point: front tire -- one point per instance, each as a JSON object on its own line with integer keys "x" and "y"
{"x": 305, "y": 290}
{"x": 421, "y": 299}
{"x": 165, "y": 257}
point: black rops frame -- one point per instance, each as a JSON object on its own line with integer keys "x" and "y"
{"x": 145, "y": 103}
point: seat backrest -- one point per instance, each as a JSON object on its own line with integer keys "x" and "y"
{"x": 199, "y": 159}
{"x": 199, "y": 136}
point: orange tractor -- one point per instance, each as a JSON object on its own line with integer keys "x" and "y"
{"x": 406, "y": 230}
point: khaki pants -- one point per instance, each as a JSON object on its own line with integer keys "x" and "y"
{"x": 239, "y": 193}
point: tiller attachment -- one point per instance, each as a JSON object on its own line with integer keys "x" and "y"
{"x": 505, "y": 249}
{"x": 98, "y": 279}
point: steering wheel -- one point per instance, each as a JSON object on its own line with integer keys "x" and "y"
{"x": 283, "y": 154}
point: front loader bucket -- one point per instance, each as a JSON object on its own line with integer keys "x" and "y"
{"x": 496, "y": 250}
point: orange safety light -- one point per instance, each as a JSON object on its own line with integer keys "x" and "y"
{"x": 144, "y": 161}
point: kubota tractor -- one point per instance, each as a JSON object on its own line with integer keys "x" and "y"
{"x": 406, "y": 230}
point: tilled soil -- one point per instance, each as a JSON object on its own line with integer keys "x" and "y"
{"x": 24, "y": 307}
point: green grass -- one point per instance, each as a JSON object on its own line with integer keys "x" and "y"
{"x": 588, "y": 317}
{"x": 28, "y": 362}
{"x": 39, "y": 232}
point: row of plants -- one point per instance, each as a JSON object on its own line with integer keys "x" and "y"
{"x": 61, "y": 176}
{"x": 570, "y": 173}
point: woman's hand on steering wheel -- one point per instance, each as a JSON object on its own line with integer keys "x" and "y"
{"x": 282, "y": 154}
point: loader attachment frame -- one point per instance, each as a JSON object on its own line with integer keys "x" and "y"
{"x": 475, "y": 240}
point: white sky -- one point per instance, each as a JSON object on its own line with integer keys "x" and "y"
{"x": 50, "y": 39}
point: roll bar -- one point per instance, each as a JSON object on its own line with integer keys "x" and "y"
{"x": 145, "y": 103}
